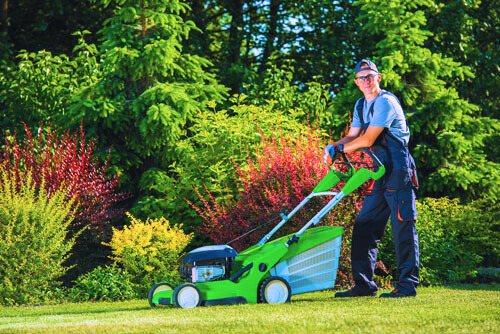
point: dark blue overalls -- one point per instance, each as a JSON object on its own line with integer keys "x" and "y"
{"x": 391, "y": 196}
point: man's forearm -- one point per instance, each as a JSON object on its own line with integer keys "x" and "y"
{"x": 354, "y": 143}
{"x": 345, "y": 140}
{"x": 358, "y": 143}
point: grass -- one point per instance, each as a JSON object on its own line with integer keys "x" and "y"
{"x": 463, "y": 309}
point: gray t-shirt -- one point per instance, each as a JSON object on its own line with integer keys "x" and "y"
{"x": 387, "y": 112}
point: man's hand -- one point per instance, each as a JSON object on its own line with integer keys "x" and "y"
{"x": 327, "y": 159}
{"x": 331, "y": 151}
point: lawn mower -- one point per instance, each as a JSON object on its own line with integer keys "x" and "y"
{"x": 270, "y": 271}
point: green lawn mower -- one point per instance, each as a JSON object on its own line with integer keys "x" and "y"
{"x": 268, "y": 272}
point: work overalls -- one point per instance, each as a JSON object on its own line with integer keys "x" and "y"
{"x": 391, "y": 196}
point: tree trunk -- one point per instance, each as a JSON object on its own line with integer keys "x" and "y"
{"x": 235, "y": 9}
{"x": 5, "y": 15}
{"x": 271, "y": 33}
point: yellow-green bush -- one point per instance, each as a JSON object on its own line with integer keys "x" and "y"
{"x": 149, "y": 251}
{"x": 33, "y": 239}
{"x": 452, "y": 238}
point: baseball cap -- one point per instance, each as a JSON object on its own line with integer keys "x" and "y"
{"x": 365, "y": 64}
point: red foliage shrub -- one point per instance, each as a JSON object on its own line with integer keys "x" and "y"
{"x": 286, "y": 170}
{"x": 67, "y": 159}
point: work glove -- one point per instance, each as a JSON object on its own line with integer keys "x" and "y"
{"x": 331, "y": 151}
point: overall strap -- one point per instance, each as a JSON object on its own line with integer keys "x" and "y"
{"x": 360, "y": 107}
{"x": 359, "y": 110}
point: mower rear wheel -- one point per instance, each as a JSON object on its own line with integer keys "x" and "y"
{"x": 275, "y": 290}
{"x": 187, "y": 296}
{"x": 157, "y": 288}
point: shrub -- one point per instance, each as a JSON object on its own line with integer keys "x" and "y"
{"x": 205, "y": 158}
{"x": 33, "y": 238}
{"x": 445, "y": 255}
{"x": 478, "y": 228}
{"x": 68, "y": 159}
{"x": 286, "y": 170}
{"x": 149, "y": 251}
{"x": 107, "y": 283}
{"x": 488, "y": 275}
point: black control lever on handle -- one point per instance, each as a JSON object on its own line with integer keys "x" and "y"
{"x": 344, "y": 156}
{"x": 372, "y": 155}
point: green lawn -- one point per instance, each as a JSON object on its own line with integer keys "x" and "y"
{"x": 464, "y": 309}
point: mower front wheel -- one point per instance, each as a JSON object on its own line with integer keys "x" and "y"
{"x": 187, "y": 296}
{"x": 275, "y": 290}
{"x": 157, "y": 288}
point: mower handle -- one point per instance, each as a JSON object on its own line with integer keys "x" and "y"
{"x": 353, "y": 179}
{"x": 372, "y": 155}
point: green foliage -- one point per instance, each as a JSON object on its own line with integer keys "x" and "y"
{"x": 451, "y": 241}
{"x": 206, "y": 160}
{"x": 324, "y": 41}
{"x": 276, "y": 87}
{"x": 468, "y": 32}
{"x": 445, "y": 257}
{"x": 39, "y": 86}
{"x": 478, "y": 227}
{"x": 6, "y": 52}
{"x": 447, "y": 132}
{"x": 33, "y": 239}
{"x": 149, "y": 251}
{"x": 147, "y": 90}
{"x": 107, "y": 283}
{"x": 245, "y": 37}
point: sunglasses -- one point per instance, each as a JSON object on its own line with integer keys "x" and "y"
{"x": 366, "y": 78}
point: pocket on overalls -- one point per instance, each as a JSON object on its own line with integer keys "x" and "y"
{"x": 406, "y": 205}
{"x": 413, "y": 170}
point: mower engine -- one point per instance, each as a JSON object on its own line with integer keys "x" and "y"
{"x": 209, "y": 263}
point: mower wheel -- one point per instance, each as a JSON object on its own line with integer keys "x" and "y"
{"x": 155, "y": 289}
{"x": 275, "y": 290}
{"x": 187, "y": 296}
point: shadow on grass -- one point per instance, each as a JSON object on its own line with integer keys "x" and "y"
{"x": 71, "y": 312}
{"x": 329, "y": 295}
{"x": 475, "y": 287}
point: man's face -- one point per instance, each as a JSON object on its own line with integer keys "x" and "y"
{"x": 368, "y": 81}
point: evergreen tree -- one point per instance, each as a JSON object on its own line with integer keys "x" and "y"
{"x": 468, "y": 31}
{"x": 447, "y": 132}
{"x": 148, "y": 89}
{"x": 36, "y": 25}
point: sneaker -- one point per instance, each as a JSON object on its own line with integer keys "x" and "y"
{"x": 396, "y": 294}
{"x": 355, "y": 293}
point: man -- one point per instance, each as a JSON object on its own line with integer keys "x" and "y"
{"x": 379, "y": 125}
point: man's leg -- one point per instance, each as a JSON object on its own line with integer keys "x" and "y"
{"x": 403, "y": 217}
{"x": 368, "y": 230}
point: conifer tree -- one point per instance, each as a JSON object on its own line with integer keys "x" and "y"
{"x": 447, "y": 132}
{"x": 148, "y": 89}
